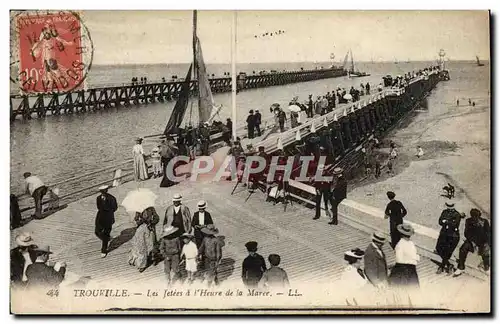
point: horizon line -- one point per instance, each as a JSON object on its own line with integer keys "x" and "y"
{"x": 282, "y": 62}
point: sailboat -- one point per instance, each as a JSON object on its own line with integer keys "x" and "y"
{"x": 352, "y": 72}
{"x": 207, "y": 110}
{"x": 479, "y": 62}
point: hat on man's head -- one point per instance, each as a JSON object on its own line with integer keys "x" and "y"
{"x": 338, "y": 171}
{"x": 24, "y": 239}
{"x": 251, "y": 111}
{"x": 103, "y": 188}
{"x": 177, "y": 197}
{"x": 138, "y": 139}
{"x": 43, "y": 249}
{"x": 378, "y": 237}
{"x": 449, "y": 204}
{"x": 474, "y": 212}
{"x": 251, "y": 246}
{"x": 406, "y": 229}
{"x": 355, "y": 253}
{"x": 210, "y": 230}
{"x": 167, "y": 230}
{"x": 202, "y": 204}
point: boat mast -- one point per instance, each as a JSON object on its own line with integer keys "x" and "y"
{"x": 233, "y": 73}
{"x": 195, "y": 65}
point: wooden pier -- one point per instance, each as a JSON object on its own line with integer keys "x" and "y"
{"x": 102, "y": 98}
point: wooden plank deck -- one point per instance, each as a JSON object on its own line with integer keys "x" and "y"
{"x": 311, "y": 251}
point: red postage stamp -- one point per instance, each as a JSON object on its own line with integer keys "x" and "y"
{"x": 52, "y": 48}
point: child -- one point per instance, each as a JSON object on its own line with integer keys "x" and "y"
{"x": 274, "y": 277}
{"x": 156, "y": 162}
{"x": 420, "y": 152}
{"x": 53, "y": 194}
{"x": 253, "y": 266}
{"x": 170, "y": 248}
{"x": 211, "y": 250}
{"x": 190, "y": 252}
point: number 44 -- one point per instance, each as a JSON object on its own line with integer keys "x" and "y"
{"x": 53, "y": 293}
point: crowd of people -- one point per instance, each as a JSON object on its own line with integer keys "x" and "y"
{"x": 194, "y": 241}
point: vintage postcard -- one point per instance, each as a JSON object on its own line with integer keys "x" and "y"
{"x": 250, "y": 162}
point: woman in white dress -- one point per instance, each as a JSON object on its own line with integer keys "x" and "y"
{"x": 353, "y": 278}
{"x": 140, "y": 168}
{"x": 404, "y": 274}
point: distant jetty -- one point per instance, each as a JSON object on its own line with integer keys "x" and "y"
{"x": 102, "y": 98}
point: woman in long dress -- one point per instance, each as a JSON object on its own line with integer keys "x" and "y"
{"x": 353, "y": 278}
{"x": 140, "y": 168}
{"x": 144, "y": 240}
{"x": 404, "y": 273}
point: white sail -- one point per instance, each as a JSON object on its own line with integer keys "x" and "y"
{"x": 205, "y": 100}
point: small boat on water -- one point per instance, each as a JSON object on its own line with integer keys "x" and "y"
{"x": 352, "y": 72}
{"x": 479, "y": 62}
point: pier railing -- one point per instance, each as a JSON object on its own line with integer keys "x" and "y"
{"x": 102, "y": 98}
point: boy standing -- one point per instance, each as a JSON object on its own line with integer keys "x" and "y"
{"x": 170, "y": 248}
{"x": 253, "y": 266}
{"x": 211, "y": 250}
{"x": 274, "y": 277}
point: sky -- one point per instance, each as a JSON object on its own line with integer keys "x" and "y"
{"x": 148, "y": 37}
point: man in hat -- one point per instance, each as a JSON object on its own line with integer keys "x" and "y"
{"x": 41, "y": 274}
{"x": 253, "y": 266}
{"x": 376, "y": 263}
{"x": 229, "y": 125}
{"x": 395, "y": 211}
{"x": 258, "y": 121}
{"x": 339, "y": 194}
{"x": 178, "y": 215}
{"x": 201, "y": 219}
{"x": 21, "y": 257}
{"x": 36, "y": 189}
{"x": 449, "y": 236}
{"x": 477, "y": 237}
{"x": 105, "y": 218}
{"x": 204, "y": 135}
{"x": 170, "y": 248}
{"x": 211, "y": 251}
{"x": 251, "y": 122}
{"x": 323, "y": 190}
{"x": 167, "y": 152}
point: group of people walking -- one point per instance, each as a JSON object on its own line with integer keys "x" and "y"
{"x": 477, "y": 234}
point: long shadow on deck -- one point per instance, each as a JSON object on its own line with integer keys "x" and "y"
{"x": 125, "y": 236}
{"x": 226, "y": 269}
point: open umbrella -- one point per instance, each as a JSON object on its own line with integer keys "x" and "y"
{"x": 347, "y": 97}
{"x": 138, "y": 200}
{"x": 294, "y": 108}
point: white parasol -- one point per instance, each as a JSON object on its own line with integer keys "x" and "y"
{"x": 347, "y": 97}
{"x": 294, "y": 108}
{"x": 138, "y": 200}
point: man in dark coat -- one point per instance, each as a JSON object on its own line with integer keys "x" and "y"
{"x": 105, "y": 218}
{"x": 41, "y": 274}
{"x": 377, "y": 261}
{"x": 477, "y": 237}
{"x": 201, "y": 219}
{"x": 15, "y": 212}
{"x": 253, "y": 266}
{"x": 339, "y": 194}
{"x": 395, "y": 211}
{"x": 448, "y": 237}
{"x": 21, "y": 257}
{"x": 250, "y": 124}
{"x": 323, "y": 190}
{"x": 258, "y": 121}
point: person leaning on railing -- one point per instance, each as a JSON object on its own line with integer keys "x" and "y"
{"x": 36, "y": 189}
